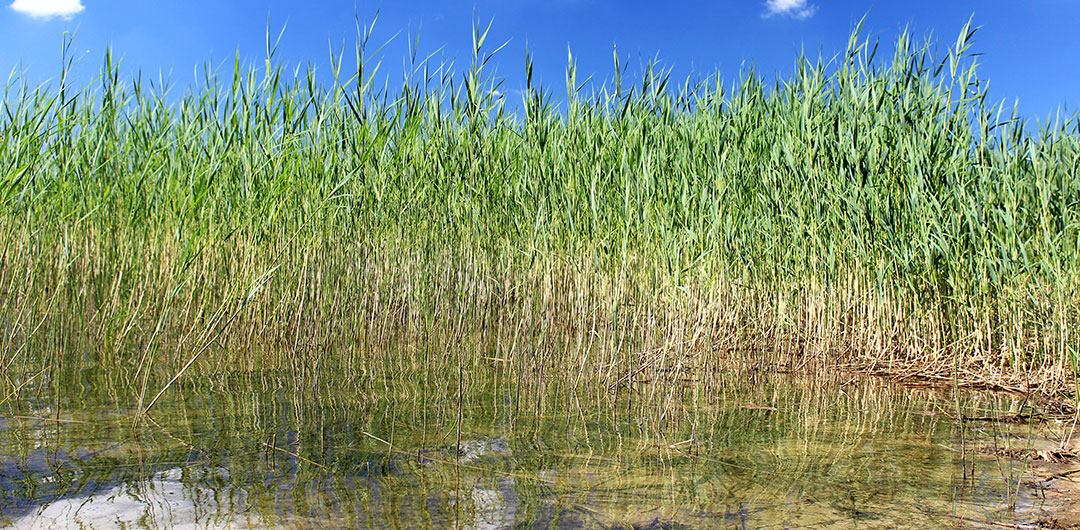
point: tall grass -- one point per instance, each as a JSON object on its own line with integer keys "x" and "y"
{"x": 883, "y": 214}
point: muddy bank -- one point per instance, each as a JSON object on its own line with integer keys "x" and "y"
{"x": 1058, "y": 480}
{"x": 1053, "y": 475}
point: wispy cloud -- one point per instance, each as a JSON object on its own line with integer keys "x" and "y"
{"x": 48, "y": 8}
{"x": 789, "y": 8}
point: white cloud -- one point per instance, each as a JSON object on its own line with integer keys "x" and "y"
{"x": 47, "y": 8}
{"x": 792, "y": 8}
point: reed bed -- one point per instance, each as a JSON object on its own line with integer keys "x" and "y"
{"x": 881, "y": 214}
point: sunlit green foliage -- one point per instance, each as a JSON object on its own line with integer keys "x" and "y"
{"x": 871, "y": 209}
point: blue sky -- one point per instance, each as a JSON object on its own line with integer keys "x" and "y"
{"x": 1031, "y": 47}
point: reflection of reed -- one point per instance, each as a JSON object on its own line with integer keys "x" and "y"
{"x": 174, "y": 498}
{"x": 765, "y": 449}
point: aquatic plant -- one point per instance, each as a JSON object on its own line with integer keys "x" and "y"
{"x": 880, "y": 214}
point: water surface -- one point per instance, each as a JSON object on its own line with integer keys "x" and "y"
{"x": 269, "y": 450}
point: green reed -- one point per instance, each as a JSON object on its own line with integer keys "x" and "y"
{"x": 879, "y": 212}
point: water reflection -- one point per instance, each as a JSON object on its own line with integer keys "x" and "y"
{"x": 253, "y": 452}
{"x": 169, "y": 499}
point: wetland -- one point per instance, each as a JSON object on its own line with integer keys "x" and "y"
{"x": 765, "y": 451}
{"x": 848, "y": 298}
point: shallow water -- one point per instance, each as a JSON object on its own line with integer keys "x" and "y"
{"x": 264, "y": 450}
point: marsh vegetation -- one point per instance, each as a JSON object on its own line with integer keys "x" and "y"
{"x": 430, "y": 246}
